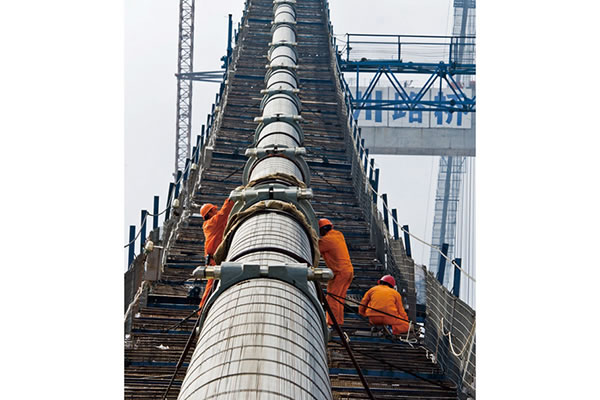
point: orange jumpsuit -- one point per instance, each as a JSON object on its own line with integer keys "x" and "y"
{"x": 213, "y": 235}
{"x": 386, "y": 299}
{"x": 335, "y": 253}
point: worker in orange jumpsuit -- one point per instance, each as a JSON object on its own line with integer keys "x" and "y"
{"x": 335, "y": 253}
{"x": 213, "y": 227}
{"x": 385, "y": 298}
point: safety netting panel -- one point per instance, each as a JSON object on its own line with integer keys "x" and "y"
{"x": 450, "y": 336}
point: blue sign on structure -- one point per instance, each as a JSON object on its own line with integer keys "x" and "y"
{"x": 402, "y": 118}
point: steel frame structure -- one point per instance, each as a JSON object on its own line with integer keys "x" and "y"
{"x": 451, "y": 168}
{"x": 443, "y": 71}
{"x": 185, "y": 64}
{"x": 186, "y": 77}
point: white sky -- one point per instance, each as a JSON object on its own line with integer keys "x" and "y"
{"x": 151, "y": 28}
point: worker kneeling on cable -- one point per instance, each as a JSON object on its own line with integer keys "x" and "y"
{"x": 384, "y": 297}
{"x": 332, "y": 246}
{"x": 213, "y": 227}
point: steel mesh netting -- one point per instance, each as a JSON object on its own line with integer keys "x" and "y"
{"x": 449, "y": 330}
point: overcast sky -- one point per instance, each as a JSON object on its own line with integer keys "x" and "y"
{"x": 151, "y": 28}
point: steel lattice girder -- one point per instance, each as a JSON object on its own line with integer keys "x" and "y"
{"x": 441, "y": 72}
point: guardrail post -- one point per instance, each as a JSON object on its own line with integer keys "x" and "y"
{"x": 177, "y": 184}
{"x": 186, "y": 169}
{"x": 347, "y": 47}
{"x": 442, "y": 265}
{"x": 202, "y": 136}
{"x": 362, "y": 147}
{"x": 386, "y": 220}
{"x": 366, "y": 160}
{"x": 372, "y": 164}
{"x": 395, "y": 223}
{"x": 456, "y": 286}
{"x": 143, "y": 230}
{"x": 194, "y": 154}
{"x": 169, "y": 201}
{"x": 376, "y": 186}
{"x": 131, "y": 245}
{"x": 406, "y": 241}
{"x": 229, "y": 31}
{"x": 155, "y": 212}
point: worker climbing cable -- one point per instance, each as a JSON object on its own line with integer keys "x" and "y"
{"x": 332, "y": 246}
{"x": 384, "y": 297}
{"x": 213, "y": 228}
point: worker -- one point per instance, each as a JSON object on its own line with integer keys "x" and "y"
{"x": 213, "y": 227}
{"x": 335, "y": 253}
{"x": 385, "y": 298}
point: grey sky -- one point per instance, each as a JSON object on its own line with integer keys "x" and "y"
{"x": 151, "y": 28}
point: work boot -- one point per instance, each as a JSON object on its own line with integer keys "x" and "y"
{"x": 387, "y": 329}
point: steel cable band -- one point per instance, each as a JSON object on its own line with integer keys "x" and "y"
{"x": 264, "y": 343}
{"x": 269, "y": 206}
{"x": 284, "y": 179}
{"x": 278, "y": 139}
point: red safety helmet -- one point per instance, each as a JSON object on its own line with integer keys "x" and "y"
{"x": 324, "y": 222}
{"x": 206, "y": 208}
{"x": 387, "y": 279}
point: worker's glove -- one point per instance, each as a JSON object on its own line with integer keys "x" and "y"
{"x": 207, "y": 260}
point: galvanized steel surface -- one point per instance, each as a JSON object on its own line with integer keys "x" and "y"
{"x": 262, "y": 339}
{"x": 270, "y": 230}
{"x": 281, "y": 79}
{"x": 271, "y": 165}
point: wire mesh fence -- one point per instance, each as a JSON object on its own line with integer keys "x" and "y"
{"x": 450, "y": 336}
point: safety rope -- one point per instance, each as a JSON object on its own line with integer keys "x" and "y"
{"x": 343, "y": 337}
{"x": 182, "y": 357}
{"x": 231, "y": 174}
{"x": 177, "y": 325}
{"x": 396, "y": 367}
{"x": 359, "y": 303}
{"x": 449, "y": 336}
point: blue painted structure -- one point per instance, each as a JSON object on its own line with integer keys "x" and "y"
{"x": 456, "y": 286}
{"x": 441, "y": 72}
{"x": 442, "y": 264}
